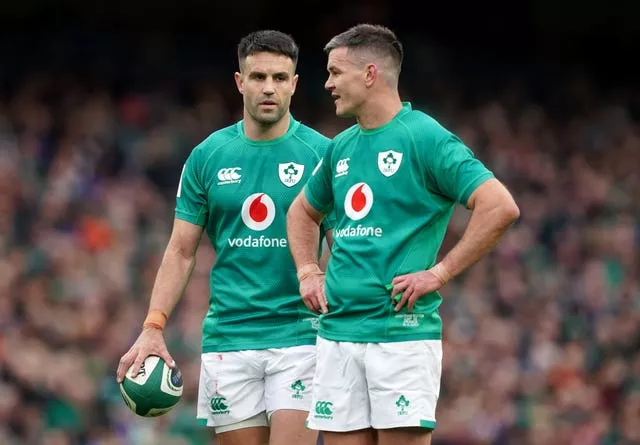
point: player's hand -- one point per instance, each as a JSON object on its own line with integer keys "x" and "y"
{"x": 312, "y": 293}
{"x": 413, "y": 286}
{"x": 150, "y": 342}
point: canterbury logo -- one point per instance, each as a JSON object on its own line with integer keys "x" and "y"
{"x": 229, "y": 175}
{"x": 218, "y": 405}
{"x": 324, "y": 408}
{"x": 342, "y": 167}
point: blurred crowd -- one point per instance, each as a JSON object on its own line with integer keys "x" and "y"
{"x": 542, "y": 338}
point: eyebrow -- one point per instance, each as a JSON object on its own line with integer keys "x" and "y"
{"x": 279, "y": 73}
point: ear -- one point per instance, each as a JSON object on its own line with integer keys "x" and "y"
{"x": 238, "y": 78}
{"x": 370, "y": 74}
{"x": 294, "y": 82}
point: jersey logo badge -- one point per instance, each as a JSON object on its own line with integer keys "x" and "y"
{"x": 389, "y": 162}
{"x": 229, "y": 176}
{"x": 342, "y": 167}
{"x": 290, "y": 173}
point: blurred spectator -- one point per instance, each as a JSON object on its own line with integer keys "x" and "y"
{"x": 542, "y": 338}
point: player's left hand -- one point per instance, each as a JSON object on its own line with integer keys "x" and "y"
{"x": 413, "y": 286}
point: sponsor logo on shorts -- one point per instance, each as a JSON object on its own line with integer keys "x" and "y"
{"x": 219, "y": 405}
{"x": 402, "y": 403}
{"x": 297, "y": 387}
{"x": 324, "y": 410}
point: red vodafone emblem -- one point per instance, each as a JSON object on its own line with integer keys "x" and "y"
{"x": 258, "y": 211}
{"x": 358, "y": 201}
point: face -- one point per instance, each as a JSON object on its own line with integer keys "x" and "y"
{"x": 347, "y": 82}
{"x": 267, "y": 82}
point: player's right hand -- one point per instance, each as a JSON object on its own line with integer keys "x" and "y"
{"x": 312, "y": 293}
{"x": 149, "y": 342}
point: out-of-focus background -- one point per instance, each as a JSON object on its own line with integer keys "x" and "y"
{"x": 101, "y": 102}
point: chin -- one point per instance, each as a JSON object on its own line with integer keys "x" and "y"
{"x": 267, "y": 119}
{"x": 341, "y": 112}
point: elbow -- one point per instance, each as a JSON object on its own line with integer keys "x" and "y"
{"x": 180, "y": 253}
{"x": 510, "y": 212}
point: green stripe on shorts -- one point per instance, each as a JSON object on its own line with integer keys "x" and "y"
{"x": 202, "y": 422}
{"x": 427, "y": 424}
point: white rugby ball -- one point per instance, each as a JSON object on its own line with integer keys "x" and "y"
{"x": 155, "y": 390}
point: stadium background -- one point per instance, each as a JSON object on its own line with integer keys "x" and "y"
{"x": 100, "y": 103}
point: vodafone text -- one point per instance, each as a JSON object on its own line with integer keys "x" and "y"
{"x": 359, "y": 230}
{"x": 255, "y": 241}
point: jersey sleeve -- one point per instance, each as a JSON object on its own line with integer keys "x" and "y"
{"x": 191, "y": 198}
{"x": 455, "y": 170}
{"x": 318, "y": 190}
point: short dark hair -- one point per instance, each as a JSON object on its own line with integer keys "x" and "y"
{"x": 269, "y": 41}
{"x": 376, "y": 38}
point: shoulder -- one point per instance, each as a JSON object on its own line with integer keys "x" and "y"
{"x": 424, "y": 128}
{"x": 216, "y": 140}
{"x": 345, "y": 136}
{"x": 312, "y": 139}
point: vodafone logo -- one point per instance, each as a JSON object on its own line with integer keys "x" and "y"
{"x": 258, "y": 211}
{"x": 358, "y": 201}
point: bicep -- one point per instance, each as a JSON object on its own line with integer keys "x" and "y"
{"x": 491, "y": 193}
{"x": 185, "y": 237}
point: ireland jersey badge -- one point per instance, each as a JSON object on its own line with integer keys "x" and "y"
{"x": 290, "y": 173}
{"x": 389, "y": 162}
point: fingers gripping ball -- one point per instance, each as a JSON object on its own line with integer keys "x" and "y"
{"x": 155, "y": 390}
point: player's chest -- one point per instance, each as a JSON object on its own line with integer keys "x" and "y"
{"x": 280, "y": 178}
{"x": 388, "y": 170}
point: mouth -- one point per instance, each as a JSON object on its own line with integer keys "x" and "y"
{"x": 268, "y": 103}
{"x": 335, "y": 97}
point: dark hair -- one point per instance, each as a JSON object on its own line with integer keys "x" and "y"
{"x": 376, "y": 38}
{"x": 269, "y": 41}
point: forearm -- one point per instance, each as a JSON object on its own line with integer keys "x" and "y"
{"x": 171, "y": 280}
{"x": 484, "y": 230}
{"x": 303, "y": 232}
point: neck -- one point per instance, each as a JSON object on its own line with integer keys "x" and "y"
{"x": 379, "y": 110}
{"x": 257, "y": 131}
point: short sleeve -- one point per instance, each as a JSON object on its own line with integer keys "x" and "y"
{"x": 455, "y": 169}
{"x": 318, "y": 189}
{"x": 191, "y": 198}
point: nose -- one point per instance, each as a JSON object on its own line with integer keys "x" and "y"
{"x": 269, "y": 87}
{"x": 328, "y": 85}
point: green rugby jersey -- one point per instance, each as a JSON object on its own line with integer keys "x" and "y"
{"x": 392, "y": 190}
{"x": 239, "y": 190}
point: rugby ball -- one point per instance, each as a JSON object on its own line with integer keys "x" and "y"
{"x": 155, "y": 390}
